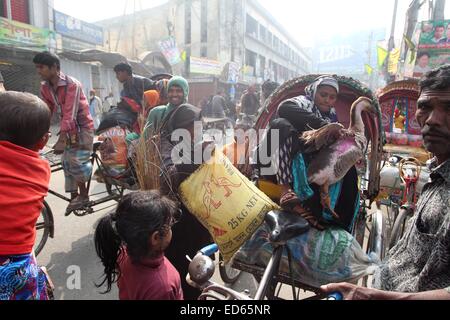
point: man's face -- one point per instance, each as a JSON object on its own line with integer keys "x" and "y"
{"x": 423, "y": 61}
{"x": 175, "y": 95}
{"x": 439, "y": 32}
{"x": 45, "y": 72}
{"x": 433, "y": 115}
{"x": 122, "y": 76}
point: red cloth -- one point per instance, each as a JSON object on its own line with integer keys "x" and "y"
{"x": 155, "y": 279}
{"x": 69, "y": 97}
{"x": 24, "y": 180}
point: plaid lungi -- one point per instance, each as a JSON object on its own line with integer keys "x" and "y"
{"x": 76, "y": 161}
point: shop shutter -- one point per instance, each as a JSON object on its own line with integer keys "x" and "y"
{"x": 20, "y": 11}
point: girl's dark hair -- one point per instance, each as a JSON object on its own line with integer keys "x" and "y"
{"x": 47, "y": 59}
{"x": 437, "y": 79}
{"x": 137, "y": 217}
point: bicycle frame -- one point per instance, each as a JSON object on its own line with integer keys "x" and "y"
{"x": 95, "y": 159}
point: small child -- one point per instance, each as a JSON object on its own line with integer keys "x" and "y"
{"x": 131, "y": 244}
{"x": 24, "y": 181}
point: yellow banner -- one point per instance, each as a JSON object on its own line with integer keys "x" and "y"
{"x": 394, "y": 58}
{"x": 369, "y": 69}
{"x": 382, "y": 55}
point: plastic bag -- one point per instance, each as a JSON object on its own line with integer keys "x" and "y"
{"x": 225, "y": 202}
{"x": 318, "y": 257}
{"x": 114, "y": 152}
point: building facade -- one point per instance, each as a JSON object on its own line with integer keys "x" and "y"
{"x": 209, "y": 35}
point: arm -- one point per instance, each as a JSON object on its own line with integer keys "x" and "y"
{"x": 352, "y": 292}
{"x": 301, "y": 119}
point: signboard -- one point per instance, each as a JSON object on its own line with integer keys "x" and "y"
{"x": 233, "y": 72}
{"x": 205, "y": 66}
{"x": 434, "y": 47}
{"x": 70, "y": 44}
{"x": 77, "y": 29}
{"x": 17, "y": 34}
{"x": 347, "y": 54}
{"x": 170, "y": 50}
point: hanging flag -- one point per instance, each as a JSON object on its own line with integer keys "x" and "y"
{"x": 369, "y": 69}
{"x": 184, "y": 55}
{"x": 412, "y": 48}
{"x": 409, "y": 43}
{"x": 382, "y": 55}
{"x": 394, "y": 58}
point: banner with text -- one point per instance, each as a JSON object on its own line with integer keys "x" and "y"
{"x": 206, "y": 66}
{"x": 170, "y": 50}
{"x": 77, "y": 29}
{"x": 22, "y": 35}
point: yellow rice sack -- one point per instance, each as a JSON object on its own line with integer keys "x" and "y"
{"x": 229, "y": 205}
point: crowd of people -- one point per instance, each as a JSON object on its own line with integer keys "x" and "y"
{"x": 144, "y": 243}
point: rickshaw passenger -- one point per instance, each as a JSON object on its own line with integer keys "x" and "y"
{"x": 313, "y": 110}
{"x": 418, "y": 267}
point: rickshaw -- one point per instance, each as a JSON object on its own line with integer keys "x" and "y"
{"x": 404, "y": 172}
{"x": 398, "y": 102}
{"x": 369, "y": 176}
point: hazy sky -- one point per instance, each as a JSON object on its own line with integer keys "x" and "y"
{"x": 304, "y": 19}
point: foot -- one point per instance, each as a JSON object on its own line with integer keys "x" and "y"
{"x": 308, "y": 216}
{"x": 77, "y": 203}
{"x": 326, "y": 203}
{"x": 289, "y": 199}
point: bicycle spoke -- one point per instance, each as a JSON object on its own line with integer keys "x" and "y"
{"x": 40, "y": 225}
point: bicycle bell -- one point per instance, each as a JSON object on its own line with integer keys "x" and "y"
{"x": 201, "y": 269}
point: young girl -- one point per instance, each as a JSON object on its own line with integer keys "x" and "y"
{"x": 131, "y": 244}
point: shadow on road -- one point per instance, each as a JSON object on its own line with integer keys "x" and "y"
{"x": 75, "y": 273}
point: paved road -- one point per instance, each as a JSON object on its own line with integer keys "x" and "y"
{"x": 70, "y": 257}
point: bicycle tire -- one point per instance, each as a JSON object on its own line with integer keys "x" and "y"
{"x": 228, "y": 274}
{"x": 398, "y": 228}
{"x": 46, "y": 226}
{"x": 377, "y": 241}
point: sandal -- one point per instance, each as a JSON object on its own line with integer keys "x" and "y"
{"x": 289, "y": 199}
{"x": 76, "y": 204}
{"x": 308, "y": 216}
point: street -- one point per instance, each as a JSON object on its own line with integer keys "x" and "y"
{"x": 70, "y": 257}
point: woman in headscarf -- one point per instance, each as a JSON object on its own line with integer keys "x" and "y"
{"x": 313, "y": 110}
{"x": 151, "y": 100}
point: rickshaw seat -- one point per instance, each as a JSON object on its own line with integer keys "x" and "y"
{"x": 285, "y": 226}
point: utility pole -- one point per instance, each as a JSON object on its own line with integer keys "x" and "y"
{"x": 188, "y": 34}
{"x": 391, "y": 44}
{"x": 438, "y": 10}
{"x": 369, "y": 57}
